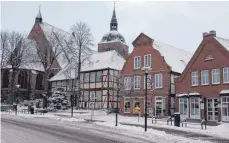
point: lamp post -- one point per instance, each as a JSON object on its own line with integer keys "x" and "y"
{"x": 44, "y": 95}
{"x": 146, "y": 69}
{"x": 18, "y": 86}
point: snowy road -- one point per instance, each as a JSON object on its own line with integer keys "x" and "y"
{"x": 54, "y": 129}
{"x": 15, "y": 131}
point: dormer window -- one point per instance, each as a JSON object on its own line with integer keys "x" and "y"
{"x": 209, "y": 57}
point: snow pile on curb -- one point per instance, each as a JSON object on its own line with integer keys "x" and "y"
{"x": 68, "y": 119}
{"x": 30, "y": 115}
{"x": 72, "y": 119}
{"x": 154, "y": 135}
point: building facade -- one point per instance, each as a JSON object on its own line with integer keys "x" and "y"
{"x": 98, "y": 80}
{"x": 203, "y": 88}
{"x": 165, "y": 66}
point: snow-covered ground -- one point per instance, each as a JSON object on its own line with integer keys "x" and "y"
{"x": 103, "y": 119}
{"x": 105, "y": 129}
{"x": 221, "y": 130}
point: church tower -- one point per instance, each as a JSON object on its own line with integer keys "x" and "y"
{"x": 39, "y": 17}
{"x": 113, "y": 40}
{"x": 114, "y": 23}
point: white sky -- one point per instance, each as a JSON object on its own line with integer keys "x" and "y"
{"x": 180, "y": 24}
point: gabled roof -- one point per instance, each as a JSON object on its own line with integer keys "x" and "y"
{"x": 223, "y": 42}
{"x": 49, "y": 31}
{"x": 176, "y": 58}
{"x": 97, "y": 61}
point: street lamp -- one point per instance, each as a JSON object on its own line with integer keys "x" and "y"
{"x": 146, "y": 69}
{"x": 18, "y": 86}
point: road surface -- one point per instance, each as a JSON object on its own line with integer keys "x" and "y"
{"x": 19, "y": 131}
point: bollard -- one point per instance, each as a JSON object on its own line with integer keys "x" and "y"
{"x": 203, "y": 123}
{"x": 154, "y": 118}
{"x": 169, "y": 119}
{"x": 184, "y": 121}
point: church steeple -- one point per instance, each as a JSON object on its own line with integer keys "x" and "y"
{"x": 114, "y": 23}
{"x": 39, "y": 17}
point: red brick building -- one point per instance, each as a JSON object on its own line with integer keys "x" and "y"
{"x": 166, "y": 62}
{"x": 203, "y": 88}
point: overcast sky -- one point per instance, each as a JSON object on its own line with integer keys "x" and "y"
{"x": 180, "y": 24}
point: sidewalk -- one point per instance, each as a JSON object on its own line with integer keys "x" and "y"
{"x": 182, "y": 133}
{"x": 192, "y": 131}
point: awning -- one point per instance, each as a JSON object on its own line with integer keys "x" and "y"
{"x": 194, "y": 94}
{"x": 182, "y": 95}
{"x": 224, "y": 92}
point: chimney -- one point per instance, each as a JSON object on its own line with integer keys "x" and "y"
{"x": 212, "y": 32}
{"x": 205, "y": 34}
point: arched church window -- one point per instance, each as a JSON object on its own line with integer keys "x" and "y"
{"x": 5, "y": 81}
{"x": 39, "y": 81}
{"x": 22, "y": 79}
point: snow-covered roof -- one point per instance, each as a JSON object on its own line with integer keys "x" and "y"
{"x": 176, "y": 58}
{"x": 49, "y": 31}
{"x": 113, "y": 36}
{"x": 194, "y": 93}
{"x": 30, "y": 58}
{"x": 223, "y": 42}
{"x": 97, "y": 61}
{"x": 226, "y": 91}
{"x": 182, "y": 94}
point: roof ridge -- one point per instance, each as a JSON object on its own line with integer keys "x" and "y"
{"x": 222, "y": 38}
{"x": 55, "y": 27}
{"x": 173, "y": 47}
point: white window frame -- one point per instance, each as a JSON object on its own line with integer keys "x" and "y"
{"x": 204, "y": 77}
{"x": 134, "y": 104}
{"x": 209, "y": 57}
{"x": 226, "y": 75}
{"x": 194, "y": 76}
{"x": 127, "y": 83}
{"x": 159, "y": 100}
{"x": 137, "y": 62}
{"x": 181, "y": 105}
{"x": 125, "y": 102}
{"x": 157, "y": 79}
{"x": 215, "y": 74}
{"x": 193, "y": 101}
{"x": 137, "y": 81}
{"x": 147, "y": 60}
{"x": 148, "y": 82}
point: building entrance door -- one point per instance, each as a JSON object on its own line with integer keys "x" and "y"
{"x": 183, "y": 107}
{"x": 212, "y": 109}
{"x": 159, "y": 105}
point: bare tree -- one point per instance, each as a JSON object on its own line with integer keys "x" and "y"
{"x": 16, "y": 52}
{"x": 80, "y": 51}
{"x": 51, "y": 51}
